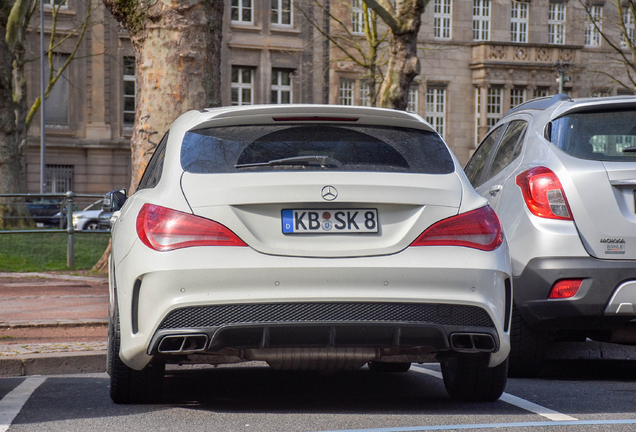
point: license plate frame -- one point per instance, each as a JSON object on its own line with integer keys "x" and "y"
{"x": 330, "y": 221}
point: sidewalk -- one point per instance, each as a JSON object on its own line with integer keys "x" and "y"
{"x": 52, "y": 324}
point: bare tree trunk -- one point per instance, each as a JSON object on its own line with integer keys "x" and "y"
{"x": 12, "y": 212}
{"x": 102, "y": 264}
{"x": 20, "y": 97}
{"x": 177, "y": 48}
{"x": 178, "y": 56}
{"x": 404, "y": 21}
{"x": 403, "y": 67}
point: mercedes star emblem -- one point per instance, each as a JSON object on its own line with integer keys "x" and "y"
{"x": 329, "y": 193}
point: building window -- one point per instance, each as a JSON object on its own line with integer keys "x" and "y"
{"x": 58, "y": 178}
{"x": 628, "y": 21}
{"x": 357, "y": 16}
{"x": 556, "y": 23}
{"x": 56, "y": 106}
{"x": 517, "y": 97}
{"x": 436, "y": 109}
{"x": 411, "y": 103}
{"x": 345, "y": 92}
{"x": 50, "y": 3}
{"x": 442, "y": 19}
{"x": 493, "y": 112}
{"x": 242, "y": 85}
{"x": 241, "y": 11}
{"x": 519, "y": 22}
{"x": 130, "y": 91}
{"x": 593, "y": 26}
{"x": 540, "y": 92}
{"x": 599, "y": 93}
{"x": 364, "y": 93}
{"x": 281, "y": 86}
{"x": 477, "y": 113}
{"x": 282, "y": 12}
{"x": 481, "y": 20}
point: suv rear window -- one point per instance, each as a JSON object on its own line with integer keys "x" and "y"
{"x": 314, "y": 147}
{"x": 603, "y": 136}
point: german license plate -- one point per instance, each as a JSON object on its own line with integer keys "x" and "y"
{"x": 332, "y": 221}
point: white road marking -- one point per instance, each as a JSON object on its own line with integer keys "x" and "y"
{"x": 512, "y": 400}
{"x": 537, "y": 409}
{"x": 12, "y": 403}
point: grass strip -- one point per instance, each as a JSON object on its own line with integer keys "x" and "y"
{"x": 47, "y": 251}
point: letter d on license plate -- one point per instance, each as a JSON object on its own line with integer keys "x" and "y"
{"x": 332, "y": 221}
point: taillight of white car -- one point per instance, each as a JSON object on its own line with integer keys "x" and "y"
{"x": 164, "y": 229}
{"x": 477, "y": 229}
{"x": 543, "y": 194}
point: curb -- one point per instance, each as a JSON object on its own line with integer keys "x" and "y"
{"x": 103, "y": 280}
{"x": 53, "y": 364}
{"x": 59, "y": 323}
{"x": 591, "y": 350}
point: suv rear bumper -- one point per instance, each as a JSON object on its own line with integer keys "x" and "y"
{"x": 591, "y": 308}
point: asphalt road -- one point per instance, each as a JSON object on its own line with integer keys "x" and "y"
{"x": 575, "y": 396}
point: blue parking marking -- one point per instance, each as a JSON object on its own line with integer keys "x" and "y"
{"x": 492, "y": 426}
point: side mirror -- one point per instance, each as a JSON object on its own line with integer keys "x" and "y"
{"x": 114, "y": 200}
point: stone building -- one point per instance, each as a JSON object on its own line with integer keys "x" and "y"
{"x": 269, "y": 54}
{"x": 478, "y": 59}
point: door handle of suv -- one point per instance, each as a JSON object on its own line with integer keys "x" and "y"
{"x": 494, "y": 190}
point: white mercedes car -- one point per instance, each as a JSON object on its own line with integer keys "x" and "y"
{"x": 309, "y": 237}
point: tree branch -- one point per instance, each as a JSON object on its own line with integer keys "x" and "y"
{"x": 385, "y": 10}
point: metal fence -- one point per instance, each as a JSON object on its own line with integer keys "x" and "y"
{"x": 66, "y": 201}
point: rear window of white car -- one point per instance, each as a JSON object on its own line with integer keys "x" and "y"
{"x": 603, "y": 136}
{"x": 314, "y": 147}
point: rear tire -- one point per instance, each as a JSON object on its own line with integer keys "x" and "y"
{"x": 382, "y": 367}
{"x": 468, "y": 378}
{"x": 128, "y": 385}
{"x": 527, "y": 348}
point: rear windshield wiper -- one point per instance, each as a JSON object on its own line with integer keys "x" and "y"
{"x": 629, "y": 149}
{"x": 320, "y": 161}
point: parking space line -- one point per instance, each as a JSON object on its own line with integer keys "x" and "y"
{"x": 535, "y": 408}
{"x": 513, "y": 400}
{"x": 492, "y": 426}
{"x": 12, "y": 403}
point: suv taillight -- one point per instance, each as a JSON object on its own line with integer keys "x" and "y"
{"x": 565, "y": 288}
{"x": 164, "y": 229}
{"x": 477, "y": 229}
{"x": 543, "y": 194}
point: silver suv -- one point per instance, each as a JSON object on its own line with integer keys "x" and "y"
{"x": 561, "y": 175}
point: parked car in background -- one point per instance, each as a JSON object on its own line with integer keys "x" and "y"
{"x": 310, "y": 237}
{"x": 561, "y": 175}
{"x": 91, "y": 218}
{"x": 45, "y": 211}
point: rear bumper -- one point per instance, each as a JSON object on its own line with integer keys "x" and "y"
{"x": 243, "y": 300}
{"x": 435, "y": 327}
{"x": 599, "y": 304}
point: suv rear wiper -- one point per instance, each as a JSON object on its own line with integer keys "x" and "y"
{"x": 321, "y": 161}
{"x": 629, "y": 149}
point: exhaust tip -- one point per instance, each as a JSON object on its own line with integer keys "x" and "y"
{"x": 472, "y": 342}
{"x": 183, "y": 344}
